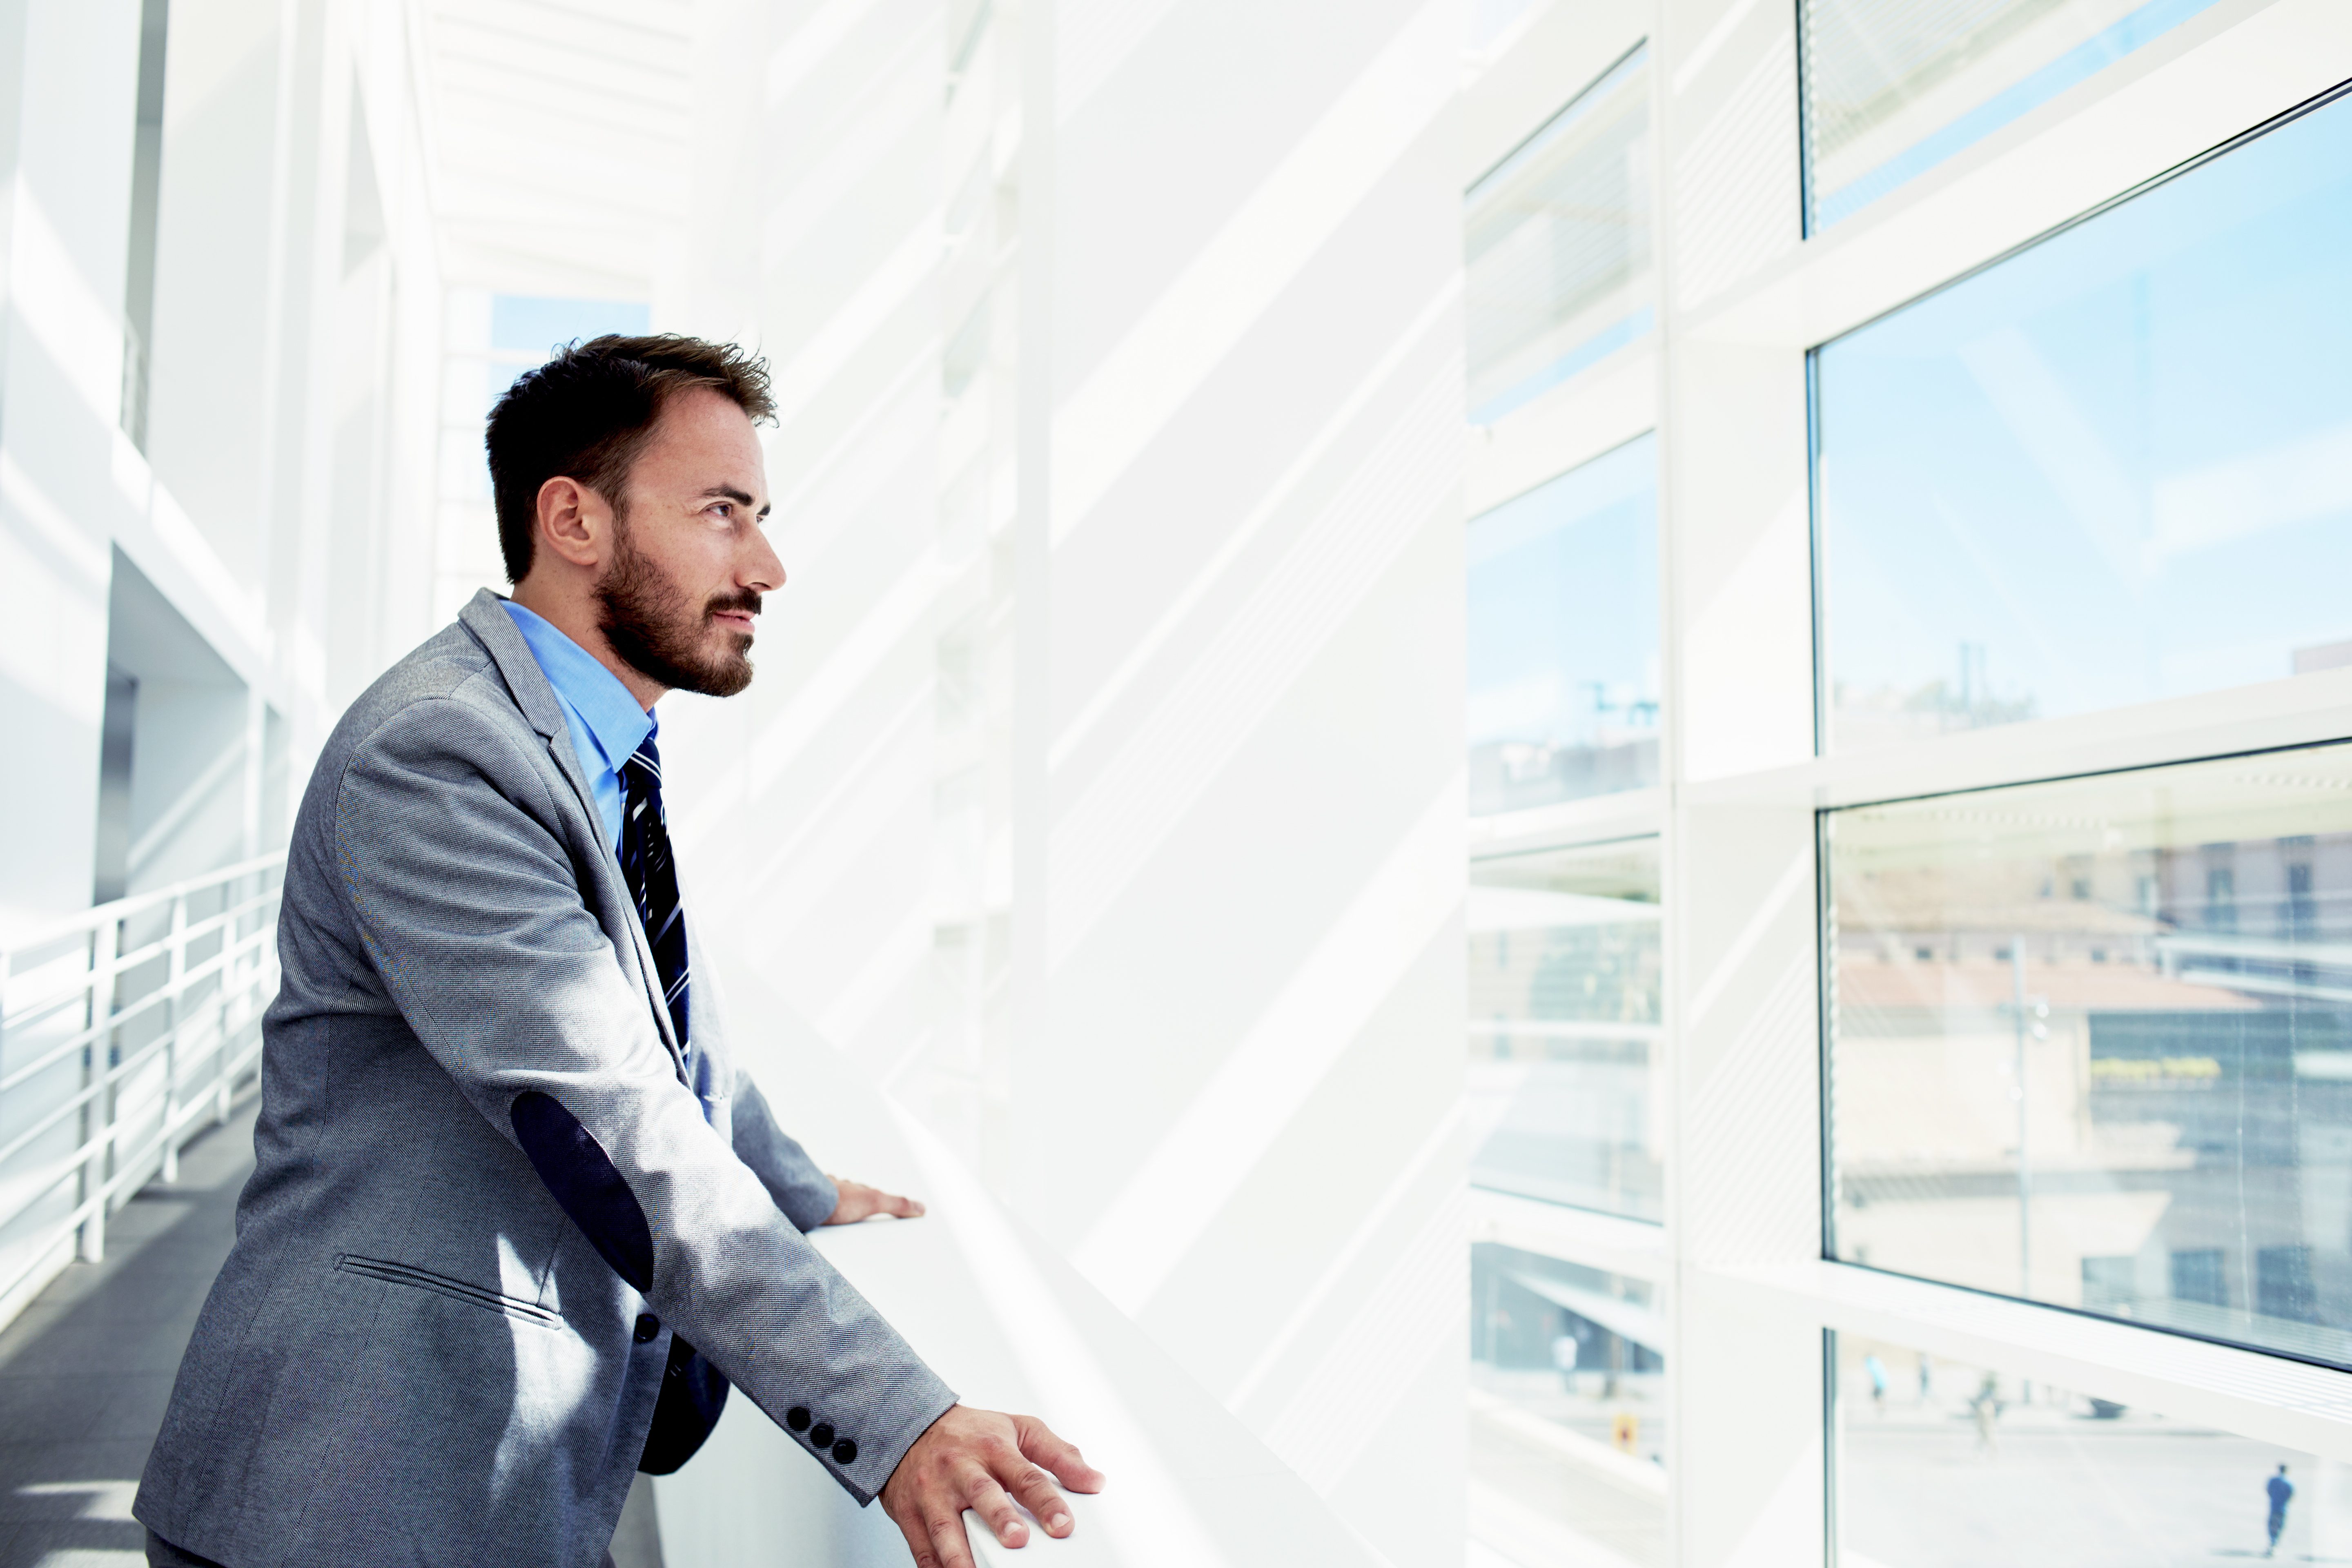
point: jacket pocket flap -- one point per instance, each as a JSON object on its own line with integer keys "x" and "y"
{"x": 426, "y": 1279}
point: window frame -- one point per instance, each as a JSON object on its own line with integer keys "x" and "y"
{"x": 1749, "y": 775}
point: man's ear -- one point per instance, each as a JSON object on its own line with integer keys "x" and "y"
{"x": 573, "y": 523}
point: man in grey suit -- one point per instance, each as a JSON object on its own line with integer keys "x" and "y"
{"x": 517, "y": 1220}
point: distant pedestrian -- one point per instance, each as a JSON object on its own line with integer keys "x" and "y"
{"x": 2281, "y": 1489}
{"x": 1926, "y": 1377}
{"x": 1563, "y": 1360}
{"x": 1986, "y": 1406}
{"x": 1877, "y": 1371}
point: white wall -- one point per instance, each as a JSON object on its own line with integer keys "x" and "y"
{"x": 808, "y": 842}
{"x": 295, "y": 360}
{"x": 69, "y": 73}
{"x": 1238, "y": 781}
{"x": 277, "y": 547}
{"x": 218, "y": 222}
{"x": 1100, "y": 792}
{"x": 812, "y": 830}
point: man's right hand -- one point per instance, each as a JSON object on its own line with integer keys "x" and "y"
{"x": 980, "y": 1461}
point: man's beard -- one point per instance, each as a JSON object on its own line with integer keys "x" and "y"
{"x": 659, "y": 632}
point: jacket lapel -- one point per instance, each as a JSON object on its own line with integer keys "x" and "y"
{"x": 535, "y": 696}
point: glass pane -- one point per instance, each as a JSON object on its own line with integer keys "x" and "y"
{"x": 1894, "y": 87}
{"x": 1567, "y": 1414}
{"x": 1945, "y": 1464}
{"x": 534, "y": 326}
{"x": 1564, "y": 637}
{"x": 526, "y": 330}
{"x": 1489, "y": 19}
{"x": 1559, "y": 246}
{"x": 2144, "y": 981}
{"x": 2116, "y": 468}
{"x": 1564, "y": 998}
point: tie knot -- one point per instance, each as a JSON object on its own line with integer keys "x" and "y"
{"x": 646, "y": 758}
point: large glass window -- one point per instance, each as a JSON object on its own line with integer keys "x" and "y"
{"x": 1945, "y": 1464}
{"x": 1563, "y": 619}
{"x": 526, "y": 330}
{"x": 1567, "y": 1414}
{"x": 1564, "y": 1001}
{"x": 2114, "y": 467}
{"x": 1490, "y": 19}
{"x": 487, "y": 341}
{"x": 2091, "y": 1044}
{"x": 1893, "y": 88}
{"x": 1559, "y": 246}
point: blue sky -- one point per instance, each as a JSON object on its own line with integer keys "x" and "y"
{"x": 2120, "y": 462}
{"x": 533, "y": 325}
{"x": 1564, "y": 594}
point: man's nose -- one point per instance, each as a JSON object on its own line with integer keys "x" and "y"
{"x": 764, "y": 571}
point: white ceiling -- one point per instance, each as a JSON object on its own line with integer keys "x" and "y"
{"x": 558, "y": 134}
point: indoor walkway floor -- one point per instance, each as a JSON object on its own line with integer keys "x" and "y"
{"x": 85, "y": 1370}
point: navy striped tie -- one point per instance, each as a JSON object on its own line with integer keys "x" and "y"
{"x": 652, "y": 877}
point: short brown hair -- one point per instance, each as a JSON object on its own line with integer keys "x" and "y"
{"x": 587, "y": 413}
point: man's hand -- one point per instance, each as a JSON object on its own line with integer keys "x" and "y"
{"x": 980, "y": 1461}
{"x": 859, "y": 1201}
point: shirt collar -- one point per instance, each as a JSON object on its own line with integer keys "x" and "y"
{"x": 613, "y": 717}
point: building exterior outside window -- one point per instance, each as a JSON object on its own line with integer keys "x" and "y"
{"x": 1569, "y": 1411}
{"x": 1893, "y": 90}
{"x": 1559, "y": 247}
{"x": 1564, "y": 1030}
{"x": 1941, "y": 1462}
{"x": 2141, "y": 1111}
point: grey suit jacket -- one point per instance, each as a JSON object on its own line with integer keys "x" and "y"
{"x": 423, "y": 1349}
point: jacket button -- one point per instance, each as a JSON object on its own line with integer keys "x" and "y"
{"x": 845, "y": 1452}
{"x": 822, "y": 1434}
{"x": 797, "y": 1418}
{"x": 647, "y": 1327}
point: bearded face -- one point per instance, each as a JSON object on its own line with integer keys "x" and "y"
{"x": 662, "y": 634}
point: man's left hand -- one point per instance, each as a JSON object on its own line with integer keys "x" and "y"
{"x": 859, "y": 1202}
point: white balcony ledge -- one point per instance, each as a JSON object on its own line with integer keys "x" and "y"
{"x": 1628, "y": 1246}
{"x": 2268, "y": 1397}
{"x": 1010, "y": 1326}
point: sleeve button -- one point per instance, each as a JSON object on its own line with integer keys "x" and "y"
{"x": 845, "y": 1452}
{"x": 797, "y": 1418}
{"x": 822, "y": 1434}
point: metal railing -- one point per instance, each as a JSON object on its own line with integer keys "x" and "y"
{"x": 121, "y": 1031}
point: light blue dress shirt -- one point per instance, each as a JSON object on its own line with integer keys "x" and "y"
{"x": 606, "y": 724}
{"x": 607, "y": 727}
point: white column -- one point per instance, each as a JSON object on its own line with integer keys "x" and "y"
{"x": 69, "y": 77}
{"x": 1742, "y": 970}
{"x": 1232, "y": 1100}
{"x": 1191, "y": 530}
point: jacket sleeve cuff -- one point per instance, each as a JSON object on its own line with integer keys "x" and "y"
{"x": 862, "y": 1453}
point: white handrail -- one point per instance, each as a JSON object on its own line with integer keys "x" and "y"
{"x": 121, "y": 1028}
